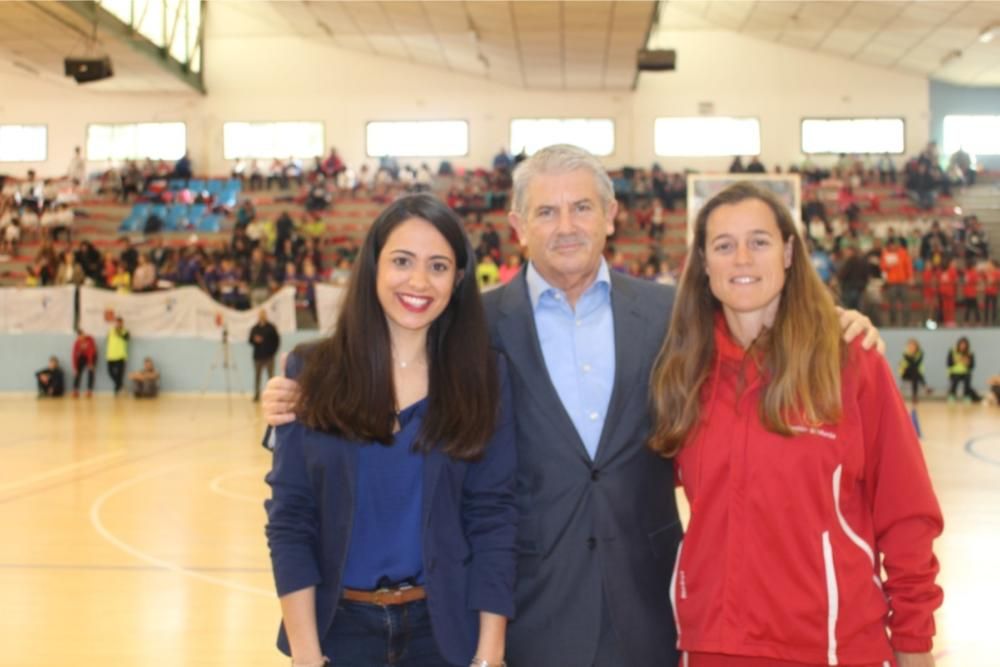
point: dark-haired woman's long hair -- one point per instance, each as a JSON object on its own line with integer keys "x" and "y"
{"x": 347, "y": 379}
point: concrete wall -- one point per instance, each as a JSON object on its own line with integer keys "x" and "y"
{"x": 186, "y": 365}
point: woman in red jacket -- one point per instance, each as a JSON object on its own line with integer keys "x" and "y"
{"x": 798, "y": 458}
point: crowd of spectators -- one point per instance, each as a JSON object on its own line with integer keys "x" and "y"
{"x": 927, "y": 269}
{"x": 871, "y": 269}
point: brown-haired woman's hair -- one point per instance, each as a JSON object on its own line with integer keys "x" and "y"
{"x": 800, "y": 355}
{"x": 347, "y": 379}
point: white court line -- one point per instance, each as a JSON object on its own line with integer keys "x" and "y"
{"x": 54, "y": 472}
{"x": 216, "y": 484}
{"x": 95, "y": 520}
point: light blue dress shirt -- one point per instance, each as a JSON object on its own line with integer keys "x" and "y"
{"x": 578, "y": 348}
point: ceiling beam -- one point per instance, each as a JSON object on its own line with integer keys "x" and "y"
{"x": 124, "y": 32}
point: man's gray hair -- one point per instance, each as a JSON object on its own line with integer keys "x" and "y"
{"x": 559, "y": 158}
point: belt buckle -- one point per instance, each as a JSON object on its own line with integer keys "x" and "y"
{"x": 385, "y": 595}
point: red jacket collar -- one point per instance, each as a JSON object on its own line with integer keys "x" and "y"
{"x": 725, "y": 345}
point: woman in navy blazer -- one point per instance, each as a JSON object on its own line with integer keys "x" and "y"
{"x": 392, "y": 519}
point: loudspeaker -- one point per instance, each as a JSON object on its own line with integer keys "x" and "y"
{"x": 657, "y": 61}
{"x": 85, "y": 70}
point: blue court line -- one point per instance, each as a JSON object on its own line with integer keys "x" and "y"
{"x": 971, "y": 450}
{"x": 138, "y": 568}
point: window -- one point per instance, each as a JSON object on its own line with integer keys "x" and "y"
{"x": 418, "y": 138}
{"x": 23, "y": 143}
{"x": 976, "y": 135}
{"x": 133, "y": 141}
{"x": 272, "y": 140}
{"x": 706, "y": 136}
{"x": 119, "y": 8}
{"x": 169, "y": 24}
{"x": 596, "y": 135}
{"x": 853, "y": 135}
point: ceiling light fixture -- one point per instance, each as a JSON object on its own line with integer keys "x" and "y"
{"x": 988, "y": 33}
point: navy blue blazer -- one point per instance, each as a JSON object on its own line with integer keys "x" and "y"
{"x": 469, "y": 528}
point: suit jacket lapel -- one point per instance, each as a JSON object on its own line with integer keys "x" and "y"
{"x": 631, "y": 327}
{"x": 519, "y": 336}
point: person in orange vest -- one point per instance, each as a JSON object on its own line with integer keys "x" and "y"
{"x": 897, "y": 267}
{"x": 947, "y": 290}
{"x": 970, "y": 293}
{"x": 930, "y": 279}
{"x": 991, "y": 286}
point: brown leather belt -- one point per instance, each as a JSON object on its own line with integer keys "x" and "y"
{"x": 386, "y": 597}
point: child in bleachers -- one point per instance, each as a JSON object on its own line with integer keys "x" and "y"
{"x": 947, "y": 291}
{"x": 930, "y": 279}
{"x": 970, "y": 292}
{"x": 121, "y": 281}
{"x": 991, "y": 286}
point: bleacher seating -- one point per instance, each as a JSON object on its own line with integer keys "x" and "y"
{"x": 181, "y": 217}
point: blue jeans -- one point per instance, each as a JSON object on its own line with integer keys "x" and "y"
{"x": 367, "y": 635}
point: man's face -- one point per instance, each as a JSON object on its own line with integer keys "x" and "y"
{"x": 564, "y": 226}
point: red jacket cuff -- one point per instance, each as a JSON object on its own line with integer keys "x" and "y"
{"x": 911, "y": 644}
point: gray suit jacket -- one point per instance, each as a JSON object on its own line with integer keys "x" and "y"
{"x": 607, "y": 527}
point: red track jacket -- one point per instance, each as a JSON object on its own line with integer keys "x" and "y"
{"x": 85, "y": 348}
{"x": 789, "y": 535}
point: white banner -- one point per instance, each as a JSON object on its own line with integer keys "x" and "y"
{"x": 328, "y": 300}
{"x": 212, "y": 318}
{"x": 36, "y": 310}
{"x": 182, "y": 312}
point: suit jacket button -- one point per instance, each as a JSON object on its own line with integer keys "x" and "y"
{"x": 591, "y": 543}
{"x": 595, "y": 474}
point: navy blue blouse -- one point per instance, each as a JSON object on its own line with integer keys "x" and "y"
{"x": 386, "y": 534}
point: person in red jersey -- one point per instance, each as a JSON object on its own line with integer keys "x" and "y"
{"x": 947, "y": 291}
{"x": 798, "y": 458}
{"x": 84, "y": 359}
{"x": 929, "y": 282}
{"x": 970, "y": 293}
{"x": 991, "y": 286}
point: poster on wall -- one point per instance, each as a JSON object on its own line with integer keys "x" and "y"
{"x": 185, "y": 312}
{"x": 36, "y": 310}
{"x": 702, "y": 187}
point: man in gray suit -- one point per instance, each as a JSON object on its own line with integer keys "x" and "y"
{"x": 599, "y": 530}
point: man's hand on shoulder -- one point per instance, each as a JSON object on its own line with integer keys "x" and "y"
{"x": 279, "y": 398}
{"x": 853, "y": 324}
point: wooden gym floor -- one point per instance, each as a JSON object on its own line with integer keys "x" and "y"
{"x": 132, "y": 533}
